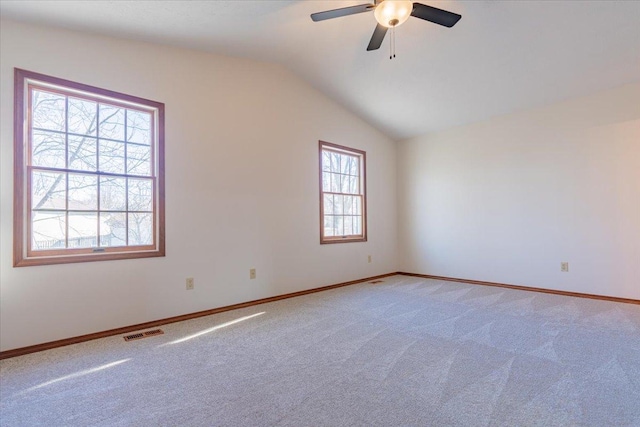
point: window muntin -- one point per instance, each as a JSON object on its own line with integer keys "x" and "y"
{"x": 342, "y": 194}
{"x": 89, "y": 173}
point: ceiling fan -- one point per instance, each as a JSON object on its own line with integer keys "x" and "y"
{"x": 390, "y": 14}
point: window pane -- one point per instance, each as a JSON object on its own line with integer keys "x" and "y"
{"x": 328, "y": 204}
{"x": 83, "y": 192}
{"x": 355, "y": 167}
{"x": 82, "y": 116}
{"x": 113, "y": 229}
{"x": 335, "y": 162}
{"x": 345, "y": 164}
{"x": 140, "y": 194}
{"x": 358, "y": 205}
{"x": 48, "y": 149}
{"x": 345, "y": 182}
{"x": 111, "y": 122}
{"x": 328, "y": 226}
{"x": 357, "y": 225}
{"x": 348, "y": 225}
{"x": 326, "y": 181}
{"x": 48, "y": 190}
{"x": 140, "y": 229}
{"x": 83, "y": 230}
{"x": 111, "y": 156}
{"x": 335, "y": 183}
{"x": 338, "y": 226}
{"x": 348, "y": 205}
{"x": 354, "y": 185}
{"x": 82, "y": 153}
{"x": 113, "y": 194}
{"x": 138, "y": 127}
{"x": 326, "y": 161}
{"x": 139, "y": 159}
{"x": 48, "y": 111}
{"x": 338, "y": 204}
{"x": 48, "y": 230}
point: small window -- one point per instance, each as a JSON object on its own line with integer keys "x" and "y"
{"x": 343, "y": 202}
{"x": 89, "y": 173}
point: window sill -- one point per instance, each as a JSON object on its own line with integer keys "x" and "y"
{"x": 326, "y": 241}
{"x": 69, "y": 259}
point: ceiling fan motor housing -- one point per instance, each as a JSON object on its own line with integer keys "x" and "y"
{"x": 390, "y": 14}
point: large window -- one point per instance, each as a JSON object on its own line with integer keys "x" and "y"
{"x": 343, "y": 203}
{"x": 89, "y": 173}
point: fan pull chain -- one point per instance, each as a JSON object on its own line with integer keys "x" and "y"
{"x": 392, "y": 43}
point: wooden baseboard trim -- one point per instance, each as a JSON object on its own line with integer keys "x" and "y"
{"x": 127, "y": 329}
{"x": 525, "y": 288}
{"x": 82, "y": 338}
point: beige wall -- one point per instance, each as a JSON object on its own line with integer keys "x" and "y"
{"x": 509, "y": 199}
{"x": 241, "y": 192}
{"x": 505, "y": 200}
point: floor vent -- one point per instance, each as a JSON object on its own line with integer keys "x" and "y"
{"x": 140, "y": 335}
{"x": 377, "y": 281}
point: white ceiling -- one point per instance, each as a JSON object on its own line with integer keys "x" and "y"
{"x": 503, "y": 56}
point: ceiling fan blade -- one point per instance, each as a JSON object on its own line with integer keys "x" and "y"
{"x": 377, "y": 37}
{"x": 337, "y": 13}
{"x": 435, "y": 15}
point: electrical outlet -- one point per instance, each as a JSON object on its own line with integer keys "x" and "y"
{"x": 564, "y": 267}
{"x": 369, "y": 259}
{"x": 252, "y": 273}
{"x": 190, "y": 284}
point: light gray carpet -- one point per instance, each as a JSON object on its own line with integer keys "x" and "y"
{"x": 405, "y": 352}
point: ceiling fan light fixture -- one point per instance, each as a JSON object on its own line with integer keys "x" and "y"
{"x": 391, "y": 13}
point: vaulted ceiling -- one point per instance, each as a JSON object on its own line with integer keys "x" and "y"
{"x": 503, "y": 56}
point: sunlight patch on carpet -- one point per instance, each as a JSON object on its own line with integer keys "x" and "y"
{"x": 215, "y": 328}
{"x": 77, "y": 374}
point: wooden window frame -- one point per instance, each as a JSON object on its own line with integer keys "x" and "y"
{"x": 322, "y": 145}
{"x": 23, "y": 255}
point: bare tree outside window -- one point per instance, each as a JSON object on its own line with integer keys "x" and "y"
{"x": 92, "y": 173}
